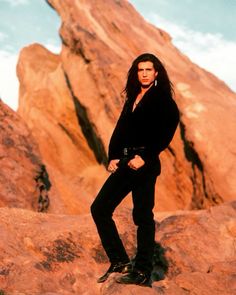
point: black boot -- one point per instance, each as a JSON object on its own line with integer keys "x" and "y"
{"x": 120, "y": 267}
{"x": 136, "y": 277}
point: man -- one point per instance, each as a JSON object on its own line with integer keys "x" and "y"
{"x": 145, "y": 128}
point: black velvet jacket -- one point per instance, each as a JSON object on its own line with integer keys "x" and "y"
{"x": 152, "y": 125}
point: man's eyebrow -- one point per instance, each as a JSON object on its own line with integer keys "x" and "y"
{"x": 144, "y": 69}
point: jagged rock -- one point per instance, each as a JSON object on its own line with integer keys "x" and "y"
{"x": 71, "y": 103}
{"x": 45, "y": 254}
{"x": 51, "y": 115}
{"x": 21, "y": 164}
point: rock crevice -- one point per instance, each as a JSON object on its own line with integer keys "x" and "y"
{"x": 204, "y": 194}
{"x": 43, "y": 185}
{"x": 88, "y": 128}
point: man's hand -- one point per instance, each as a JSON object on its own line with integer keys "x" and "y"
{"x": 112, "y": 167}
{"x": 136, "y": 163}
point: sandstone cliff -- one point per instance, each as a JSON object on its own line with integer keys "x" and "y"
{"x": 24, "y": 181}
{"x": 71, "y": 103}
{"x": 99, "y": 46}
{"x": 48, "y": 107}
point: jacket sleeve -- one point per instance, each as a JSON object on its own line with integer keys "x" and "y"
{"x": 170, "y": 123}
{"x": 113, "y": 148}
{"x": 115, "y": 145}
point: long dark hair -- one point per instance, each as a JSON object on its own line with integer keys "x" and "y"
{"x": 133, "y": 86}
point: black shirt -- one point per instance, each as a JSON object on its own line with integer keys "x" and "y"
{"x": 152, "y": 125}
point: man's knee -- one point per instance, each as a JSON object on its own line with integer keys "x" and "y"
{"x": 100, "y": 211}
{"x": 95, "y": 211}
{"x": 143, "y": 218}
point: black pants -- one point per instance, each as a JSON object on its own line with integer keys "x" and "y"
{"x": 117, "y": 186}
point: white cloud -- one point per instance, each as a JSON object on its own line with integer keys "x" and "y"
{"x": 3, "y": 36}
{"x": 17, "y": 2}
{"x": 53, "y": 48}
{"x": 8, "y": 80}
{"x": 210, "y": 51}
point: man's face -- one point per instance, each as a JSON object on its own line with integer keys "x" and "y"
{"x": 146, "y": 73}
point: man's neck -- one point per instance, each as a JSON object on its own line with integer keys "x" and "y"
{"x": 145, "y": 89}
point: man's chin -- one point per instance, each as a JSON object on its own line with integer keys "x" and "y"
{"x": 146, "y": 85}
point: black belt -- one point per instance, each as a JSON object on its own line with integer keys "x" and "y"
{"x": 128, "y": 153}
{"x": 131, "y": 151}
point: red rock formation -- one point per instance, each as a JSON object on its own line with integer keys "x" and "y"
{"x": 51, "y": 115}
{"x": 21, "y": 166}
{"x": 44, "y": 254}
{"x": 71, "y": 103}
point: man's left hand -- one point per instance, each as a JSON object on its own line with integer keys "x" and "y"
{"x": 136, "y": 163}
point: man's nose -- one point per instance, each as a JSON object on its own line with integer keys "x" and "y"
{"x": 144, "y": 73}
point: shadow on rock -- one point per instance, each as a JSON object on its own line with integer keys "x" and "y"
{"x": 160, "y": 263}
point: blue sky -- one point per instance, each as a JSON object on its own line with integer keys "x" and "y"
{"x": 27, "y": 21}
{"x": 202, "y": 29}
{"x": 23, "y": 22}
{"x": 206, "y": 16}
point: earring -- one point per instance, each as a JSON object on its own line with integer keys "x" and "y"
{"x": 155, "y": 83}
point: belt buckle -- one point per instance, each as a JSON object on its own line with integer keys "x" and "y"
{"x": 125, "y": 151}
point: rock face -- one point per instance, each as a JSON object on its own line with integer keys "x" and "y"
{"x": 51, "y": 115}
{"x": 24, "y": 181}
{"x": 44, "y": 254}
{"x": 71, "y": 102}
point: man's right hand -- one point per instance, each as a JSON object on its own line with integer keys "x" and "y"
{"x": 112, "y": 166}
